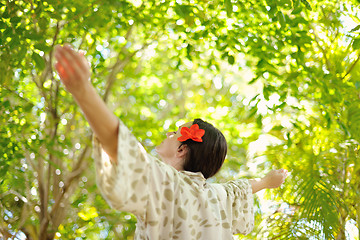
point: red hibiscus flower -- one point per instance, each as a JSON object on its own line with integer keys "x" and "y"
{"x": 193, "y": 133}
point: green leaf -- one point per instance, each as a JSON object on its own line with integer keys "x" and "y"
{"x": 43, "y": 23}
{"x": 272, "y": 12}
{"x": 354, "y": 120}
{"x": 2, "y": 25}
{"x": 43, "y": 47}
{"x": 6, "y": 104}
{"x": 254, "y": 98}
{"x": 259, "y": 121}
{"x": 4, "y": 169}
{"x": 295, "y": 3}
{"x": 183, "y": 10}
{"x": 277, "y": 128}
{"x": 307, "y": 4}
{"x": 33, "y": 36}
{"x": 15, "y": 19}
{"x": 267, "y": 92}
{"x": 228, "y": 7}
{"x": 296, "y": 7}
{"x": 39, "y": 61}
{"x": 281, "y": 106}
{"x": 6, "y": 13}
{"x": 8, "y": 32}
{"x": 231, "y": 59}
{"x": 355, "y": 28}
{"x": 253, "y": 111}
{"x": 356, "y": 44}
{"x": 289, "y": 141}
{"x": 252, "y": 81}
{"x": 281, "y": 19}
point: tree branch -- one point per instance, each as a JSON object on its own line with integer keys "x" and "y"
{"x": 11, "y": 191}
{"x": 51, "y": 67}
{"x": 5, "y": 233}
{"x": 39, "y": 86}
{"x": 82, "y": 41}
{"x": 46, "y": 186}
{"x": 351, "y": 68}
{"x": 75, "y": 173}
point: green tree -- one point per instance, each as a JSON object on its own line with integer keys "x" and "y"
{"x": 158, "y": 62}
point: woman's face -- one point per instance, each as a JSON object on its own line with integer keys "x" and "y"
{"x": 168, "y": 148}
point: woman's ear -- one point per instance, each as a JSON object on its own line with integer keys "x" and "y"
{"x": 182, "y": 151}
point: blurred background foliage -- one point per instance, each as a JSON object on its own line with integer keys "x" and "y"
{"x": 281, "y": 79}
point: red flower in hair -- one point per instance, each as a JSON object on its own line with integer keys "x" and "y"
{"x": 193, "y": 133}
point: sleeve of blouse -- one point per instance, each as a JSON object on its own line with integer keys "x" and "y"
{"x": 125, "y": 184}
{"x": 242, "y": 206}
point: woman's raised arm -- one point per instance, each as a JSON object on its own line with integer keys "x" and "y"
{"x": 74, "y": 72}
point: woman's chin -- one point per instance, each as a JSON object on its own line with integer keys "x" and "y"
{"x": 157, "y": 149}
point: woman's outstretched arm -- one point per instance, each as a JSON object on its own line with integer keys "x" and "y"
{"x": 74, "y": 72}
{"x": 273, "y": 179}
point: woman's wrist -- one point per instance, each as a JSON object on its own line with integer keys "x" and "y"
{"x": 83, "y": 93}
{"x": 257, "y": 184}
{"x": 265, "y": 182}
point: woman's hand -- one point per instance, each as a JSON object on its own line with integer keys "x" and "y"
{"x": 73, "y": 69}
{"x": 275, "y": 178}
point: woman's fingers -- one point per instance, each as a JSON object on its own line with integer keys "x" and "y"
{"x": 283, "y": 172}
{"x": 62, "y": 73}
{"x": 73, "y": 64}
{"x": 67, "y": 69}
{"x": 84, "y": 60}
{"x": 68, "y": 60}
{"x": 78, "y": 58}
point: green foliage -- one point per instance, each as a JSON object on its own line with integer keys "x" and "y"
{"x": 279, "y": 78}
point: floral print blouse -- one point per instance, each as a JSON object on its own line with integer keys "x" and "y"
{"x": 171, "y": 204}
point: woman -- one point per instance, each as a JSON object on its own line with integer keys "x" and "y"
{"x": 170, "y": 198}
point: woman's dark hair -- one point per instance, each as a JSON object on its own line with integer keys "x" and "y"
{"x": 207, "y": 156}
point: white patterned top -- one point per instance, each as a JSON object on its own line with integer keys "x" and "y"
{"x": 170, "y": 204}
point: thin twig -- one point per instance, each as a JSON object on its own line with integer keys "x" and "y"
{"x": 55, "y": 98}
{"x": 82, "y": 41}
{"x": 352, "y": 67}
